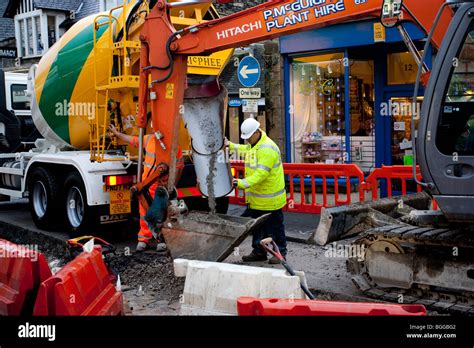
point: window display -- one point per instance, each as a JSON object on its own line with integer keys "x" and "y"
{"x": 318, "y": 127}
{"x": 402, "y": 109}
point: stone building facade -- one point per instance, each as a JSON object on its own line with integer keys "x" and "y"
{"x": 272, "y": 77}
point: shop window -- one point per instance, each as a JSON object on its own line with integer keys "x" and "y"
{"x": 22, "y": 41}
{"x": 51, "y": 30}
{"x": 317, "y": 109}
{"x": 401, "y": 68}
{"x": 36, "y": 31}
{"x": 29, "y": 30}
{"x": 361, "y": 107}
{"x": 39, "y": 41}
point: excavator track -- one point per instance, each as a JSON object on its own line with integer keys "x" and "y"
{"x": 417, "y": 265}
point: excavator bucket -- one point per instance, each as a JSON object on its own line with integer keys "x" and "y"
{"x": 347, "y": 221}
{"x": 207, "y": 237}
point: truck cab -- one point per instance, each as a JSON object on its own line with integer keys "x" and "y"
{"x": 17, "y": 130}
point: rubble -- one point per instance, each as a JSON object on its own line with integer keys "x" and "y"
{"x": 150, "y": 271}
{"x": 54, "y": 249}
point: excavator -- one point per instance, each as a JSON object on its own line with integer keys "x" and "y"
{"x": 412, "y": 253}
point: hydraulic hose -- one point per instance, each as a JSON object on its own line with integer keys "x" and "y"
{"x": 140, "y": 154}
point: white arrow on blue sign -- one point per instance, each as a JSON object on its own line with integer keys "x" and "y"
{"x": 249, "y": 71}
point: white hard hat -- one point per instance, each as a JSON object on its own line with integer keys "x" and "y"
{"x": 249, "y": 127}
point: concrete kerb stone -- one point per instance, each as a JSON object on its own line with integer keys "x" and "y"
{"x": 213, "y": 288}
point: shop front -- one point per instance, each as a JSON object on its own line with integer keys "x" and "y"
{"x": 348, "y": 92}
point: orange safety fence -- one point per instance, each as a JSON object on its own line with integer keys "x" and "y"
{"x": 310, "y": 183}
{"x": 391, "y": 174}
{"x": 320, "y": 185}
{"x": 320, "y": 177}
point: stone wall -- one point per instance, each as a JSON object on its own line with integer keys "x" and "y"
{"x": 274, "y": 94}
{"x": 273, "y": 76}
{"x": 227, "y": 9}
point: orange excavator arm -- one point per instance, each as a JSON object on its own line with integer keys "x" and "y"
{"x": 165, "y": 50}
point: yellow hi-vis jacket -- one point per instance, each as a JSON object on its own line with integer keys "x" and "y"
{"x": 264, "y": 181}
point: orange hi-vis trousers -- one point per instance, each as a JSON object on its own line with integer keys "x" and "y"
{"x": 145, "y": 235}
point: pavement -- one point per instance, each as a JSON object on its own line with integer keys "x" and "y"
{"x": 326, "y": 275}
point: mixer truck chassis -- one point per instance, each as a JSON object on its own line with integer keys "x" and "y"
{"x": 65, "y": 187}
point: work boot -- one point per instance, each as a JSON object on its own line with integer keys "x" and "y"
{"x": 141, "y": 246}
{"x": 253, "y": 257}
{"x": 161, "y": 247}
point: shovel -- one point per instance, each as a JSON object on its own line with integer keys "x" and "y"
{"x": 270, "y": 246}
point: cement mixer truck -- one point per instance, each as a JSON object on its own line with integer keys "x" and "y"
{"x": 78, "y": 174}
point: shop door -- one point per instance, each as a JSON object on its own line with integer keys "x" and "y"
{"x": 399, "y": 107}
{"x": 362, "y": 113}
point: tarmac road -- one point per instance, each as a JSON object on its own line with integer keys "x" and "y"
{"x": 326, "y": 275}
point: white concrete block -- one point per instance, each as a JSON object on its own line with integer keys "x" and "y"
{"x": 213, "y": 288}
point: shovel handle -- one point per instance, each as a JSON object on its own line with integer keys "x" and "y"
{"x": 270, "y": 246}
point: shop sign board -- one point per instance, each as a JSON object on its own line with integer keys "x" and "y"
{"x": 399, "y": 126}
{"x": 379, "y": 33}
{"x": 6, "y": 52}
{"x": 235, "y": 103}
{"x": 210, "y": 65}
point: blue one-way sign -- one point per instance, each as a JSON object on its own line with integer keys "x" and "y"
{"x": 249, "y": 71}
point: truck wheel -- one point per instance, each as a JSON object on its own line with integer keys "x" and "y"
{"x": 44, "y": 196}
{"x": 79, "y": 216}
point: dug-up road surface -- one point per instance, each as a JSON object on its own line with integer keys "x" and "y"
{"x": 147, "y": 279}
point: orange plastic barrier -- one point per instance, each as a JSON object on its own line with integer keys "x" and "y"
{"x": 320, "y": 177}
{"x": 21, "y": 272}
{"x": 188, "y": 192}
{"x": 249, "y": 306}
{"x": 390, "y": 174}
{"x": 335, "y": 173}
{"x": 82, "y": 287}
{"x": 238, "y": 170}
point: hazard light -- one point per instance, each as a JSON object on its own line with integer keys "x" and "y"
{"x": 115, "y": 180}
